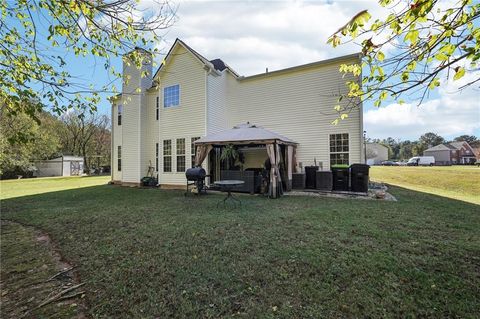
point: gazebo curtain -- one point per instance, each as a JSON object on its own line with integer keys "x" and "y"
{"x": 202, "y": 152}
{"x": 275, "y": 189}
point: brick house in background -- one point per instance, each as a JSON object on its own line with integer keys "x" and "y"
{"x": 452, "y": 153}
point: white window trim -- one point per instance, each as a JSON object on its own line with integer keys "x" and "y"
{"x": 349, "y": 148}
{"x": 179, "y": 98}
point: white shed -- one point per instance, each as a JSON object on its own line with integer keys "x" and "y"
{"x": 60, "y": 166}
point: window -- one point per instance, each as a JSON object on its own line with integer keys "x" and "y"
{"x": 180, "y": 155}
{"x": 192, "y": 150}
{"x": 167, "y": 155}
{"x": 119, "y": 158}
{"x": 339, "y": 149}
{"x": 156, "y": 157}
{"x": 171, "y": 96}
{"x": 119, "y": 114}
{"x": 157, "y": 109}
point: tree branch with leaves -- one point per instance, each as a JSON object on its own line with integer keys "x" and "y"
{"x": 419, "y": 45}
{"x": 36, "y": 35}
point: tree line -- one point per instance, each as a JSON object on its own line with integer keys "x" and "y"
{"x": 24, "y": 140}
{"x": 402, "y": 150}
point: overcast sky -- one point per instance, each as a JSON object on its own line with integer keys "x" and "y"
{"x": 253, "y": 35}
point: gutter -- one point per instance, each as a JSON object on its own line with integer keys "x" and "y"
{"x": 303, "y": 66}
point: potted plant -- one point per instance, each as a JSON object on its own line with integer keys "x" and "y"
{"x": 229, "y": 155}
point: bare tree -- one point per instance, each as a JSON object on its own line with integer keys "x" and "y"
{"x": 86, "y": 135}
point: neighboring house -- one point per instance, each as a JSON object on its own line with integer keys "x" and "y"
{"x": 476, "y": 151}
{"x": 452, "y": 153}
{"x": 376, "y": 153}
{"x": 156, "y": 120}
{"x": 61, "y": 166}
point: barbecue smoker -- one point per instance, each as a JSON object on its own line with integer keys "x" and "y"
{"x": 196, "y": 178}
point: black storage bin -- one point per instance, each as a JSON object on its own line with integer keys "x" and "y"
{"x": 310, "y": 176}
{"x": 340, "y": 179}
{"x": 324, "y": 180}
{"x": 298, "y": 181}
{"x": 247, "y": 176}
{"x": 359, "y": 177}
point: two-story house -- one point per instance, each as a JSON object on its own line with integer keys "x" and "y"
{"x": 452, "y": 153}
{"x": 157, "y": 117}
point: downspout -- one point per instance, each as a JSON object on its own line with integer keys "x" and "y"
{"x": 363, "y": 149}
{"x": 112, "y": 142}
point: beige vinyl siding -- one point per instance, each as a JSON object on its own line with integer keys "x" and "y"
{"x": 150, "y": 132}
{"x": 133, "y": 122}
{"x": 189, "y": 118}
{"x": 217, "y": 103}
{"x": 298, "y": 104}
{"x": 116, "y": 141}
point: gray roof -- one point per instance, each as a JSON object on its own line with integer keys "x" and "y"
{"x": 244, "y": 133}
{"x": 440, "y": 147}
{"x": 457, "y": 145}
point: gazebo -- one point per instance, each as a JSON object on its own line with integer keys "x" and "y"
{"x": 245, "y": 134}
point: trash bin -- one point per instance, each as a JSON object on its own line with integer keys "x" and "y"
{"x": 310, "y": 176}
{"x": 324, "y": 180}
{"x": 298, "y": 181}
{"x": 359, "y": 177}
{"x": 340, "y": 176}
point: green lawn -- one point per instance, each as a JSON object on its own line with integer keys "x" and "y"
{"x": 458, "y": 182}
{"x": 149, "y": 253}
{"x": 15, "y": 188}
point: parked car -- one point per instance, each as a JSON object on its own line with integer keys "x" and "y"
{"x": 389, "y": 163}
{"x": 421, "y": 161}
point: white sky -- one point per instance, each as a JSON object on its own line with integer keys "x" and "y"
{"x": 253, "y": 35}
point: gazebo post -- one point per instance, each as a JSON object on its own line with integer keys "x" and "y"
{"x": 289, "y": 166}
{"x": 273, "y": 179}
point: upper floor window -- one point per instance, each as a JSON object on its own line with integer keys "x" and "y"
{"x": 171, "y": 96}
{"x": 339, "y": 149}
{"x": 157, "y": 108}
{"x": 119, "y": 114}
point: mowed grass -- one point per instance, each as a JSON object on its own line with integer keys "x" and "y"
{"x": 30, "y": 186}
{"x": 458, "y": 182}
{"x": 149, "y": 253}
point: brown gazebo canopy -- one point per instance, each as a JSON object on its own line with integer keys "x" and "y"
{"x": 245, "y": 134}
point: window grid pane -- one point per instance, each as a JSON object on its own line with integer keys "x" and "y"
{"x": 181, "y": 163}
{"x": 180, "y": 146}
{"x": 167, "y": 147}
{"x": 167, "y": 164}
{"x": 171, "y": 96}
{"x": 180, "y": 143}
{"x": 119, "y": 158}
{"x": 167, "y": 155}
{"x": 119, "y": 115}
{"x": 339, "y": 148}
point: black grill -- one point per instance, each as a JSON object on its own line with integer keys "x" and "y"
{"x": 196, "y": 176}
